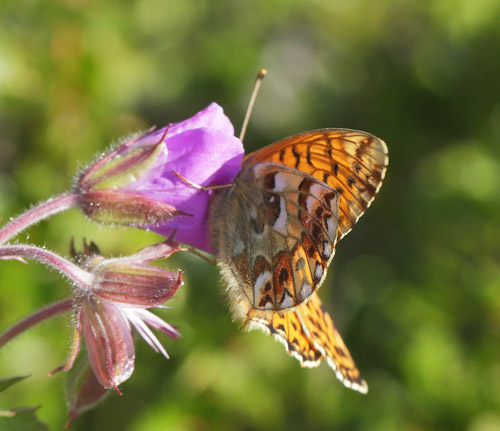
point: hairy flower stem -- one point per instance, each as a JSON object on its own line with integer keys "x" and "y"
{"x": 34, "y": 215}
{"x": 77, "y": 275}
{"x": 34, "y": 319}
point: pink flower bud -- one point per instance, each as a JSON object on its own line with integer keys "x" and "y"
{"x": 109, "y": 341}
{"x": 135, "y": 284}
{"x": 117, "y": 300}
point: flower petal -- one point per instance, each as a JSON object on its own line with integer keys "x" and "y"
{"x": 212, "y": 117}
{"x": 205, "y": 157}
{"x": 157, "y": 323}
{"x": 145, "y": 332}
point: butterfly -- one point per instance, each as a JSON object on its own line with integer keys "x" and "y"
{"x": 275, "y": 230}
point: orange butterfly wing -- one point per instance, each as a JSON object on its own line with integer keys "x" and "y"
{"x": 308, "y": 334}
{"x": 351, "y": 162}
{"x": 275, "y": 232}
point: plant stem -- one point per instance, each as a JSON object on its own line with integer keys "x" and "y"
{"x": 34, "y": 319}
{"x": 34, "y": 215}
{"x": 76, "y": 274}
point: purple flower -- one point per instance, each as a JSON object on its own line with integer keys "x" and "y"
{"x": 137, "y": 185}
{"x": 122, "y": 289}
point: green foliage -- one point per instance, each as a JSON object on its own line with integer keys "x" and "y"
{"x": 9, "y": 381}
{"x": 20, "y": 418}
{"x": 414, "y": 289}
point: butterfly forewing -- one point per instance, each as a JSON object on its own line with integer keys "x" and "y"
{"x": 352, "y": 162}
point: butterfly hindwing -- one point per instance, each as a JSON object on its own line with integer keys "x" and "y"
{"x": 287, "y": 329}
{"x": 309, "y": 335}
{"x": 325, "y": 337}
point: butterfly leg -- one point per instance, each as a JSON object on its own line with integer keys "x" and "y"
{"x": 198, "y": 186}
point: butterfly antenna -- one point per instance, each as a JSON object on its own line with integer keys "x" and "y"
{"x": 260, "y": 76}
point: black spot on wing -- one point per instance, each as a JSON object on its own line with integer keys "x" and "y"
{"x": 297, "y": 157}
{"x": 309, "y": 155}
{"x": 340, "y": 352}
{"x": 282, "y": 155}
{"x": 284, "y": 275}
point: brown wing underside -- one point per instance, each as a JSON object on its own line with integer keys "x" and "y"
{"x": 279, "y": 250}
{"x": 351, "y": 162}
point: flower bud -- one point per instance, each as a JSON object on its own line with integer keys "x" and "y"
{"x": 109, "y": 341}
{"x": 135, "y": 284}
{"x": 121, "y": 290}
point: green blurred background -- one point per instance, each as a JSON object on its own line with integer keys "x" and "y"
{"x": 414, "y": 289}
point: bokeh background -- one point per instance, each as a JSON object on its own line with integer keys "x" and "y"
{"x": 414, "y": 289}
